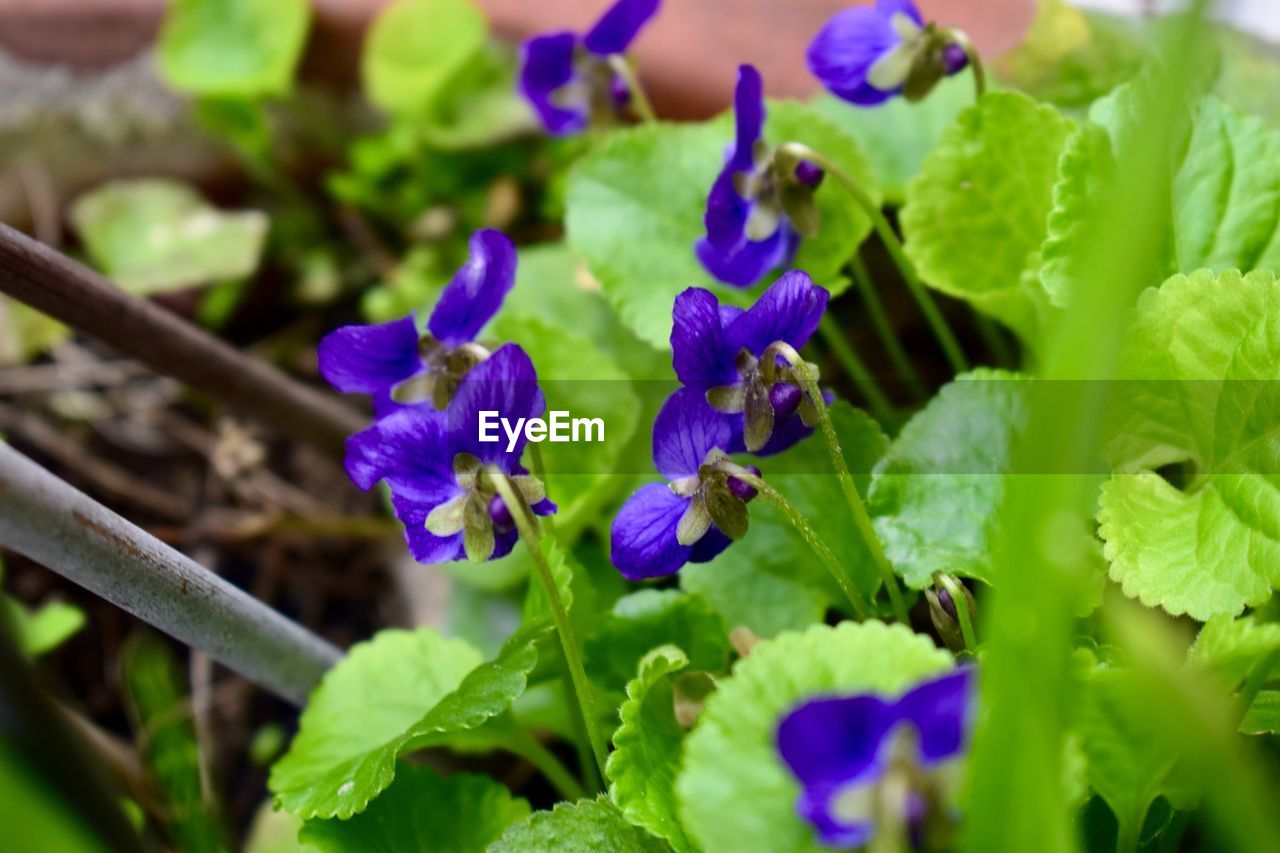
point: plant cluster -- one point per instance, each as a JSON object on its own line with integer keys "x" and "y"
{"x": 1021, "y": 605}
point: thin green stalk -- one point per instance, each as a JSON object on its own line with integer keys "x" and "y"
{"x": 857, "y": 370}
{"x": 806, "y": 531}
{"x": 994, "y": 339}
{"x": 932, "y": 315}
{"x": 858, "y": 509}
{"x": 527, "y": 525}
{"x": 624, "y": 69}
{"x": 1260, "y": 675}
{"x": 544, "y": 760}
{"x": 884, "y": 328}
{"x": 975, "y": 62}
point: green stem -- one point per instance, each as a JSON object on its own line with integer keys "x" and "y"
{"x": 857, "y": 370}
{"x": 858, "y": 509}
{"x": 884, "y": 328}
{"x": 639, "y": 100}
{"x": 527, "y": 525}
{"x": 932, "y": 315}
{"x": 975, "y": 62}
{"x": 994, "y": 339}
{"x": 960, "y": 600}
{"x": 1259, "y": 676}
{"x": 531, "y": 750}
{"x": 806, "y": 531}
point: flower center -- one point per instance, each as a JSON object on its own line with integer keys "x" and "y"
{"x": 479, "y": 513}
{"x": 768, "y": 390}
{"x": 444, "y": 369}
{"x": 595, "y": 88}
{"x": 716, "y": 497}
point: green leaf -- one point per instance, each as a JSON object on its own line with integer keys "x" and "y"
{"x": 644, "y": 620}
{"x": 1129, "y": 763}
{"x": 1263, "y": 716}
{"x": 642, "y": 769}
{"x": 1235, "y": 647}
{"x": 415, "y": 47}
{"x": 423, "y": 811}
{"x": 25, "y": 332}
{"x": 1071, "y": 57}
{"x": 898, "y": 134}
{"x": 635, "y": 209}
{"x": 246, "y": 48}
{"x": 579, "y": 379}
{"x": 157, "y": 695}
{"x": 43, "y": 629}
{"x": 1222, "y": 191}
{"x": 975, "y": 215}
{"x": 552, "y": 285}
{"x": 1200, "y": 364}
{"x": 151, "y": 235}
{"x": 400, "y": 691}
{"x": 734, "y": 789}
{"x": 936, "y": 491}
{"x": 587, "y": 826}
{"x": 748, "y": 584}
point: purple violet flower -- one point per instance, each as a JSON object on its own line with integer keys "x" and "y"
{"x": 867, "y": 55}
{"x": 701, "y": 509}
{"x": 568, "y": 79}
{"x": 439, "y": 471}
{"x": 735, "y": 359}
{"x": 396, "y": 365}
{"x": 761, "y": 203}
{"x": 869, "y": 764}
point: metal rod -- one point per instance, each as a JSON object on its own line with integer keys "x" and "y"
{"x": 52, "y": 523}
{"x": 65, "y": 290}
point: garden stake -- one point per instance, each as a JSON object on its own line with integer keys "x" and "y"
{"x": 933, "y": 316}
{"x": 76, "y": 295}
{"x": 527, "y": 525}
{"x": 52, "y": 523}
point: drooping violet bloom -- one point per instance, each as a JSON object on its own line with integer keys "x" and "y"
{"x": 761, "y": 203}
{"x": 700, "y": 510}
{"x": 868, "y": 764}
{"x": 867, "y": 55}
{"x": 397, "y": 365}
{"x": 441, "y": 474}
{"x": 741, "y": 361}
{"x": 569, "y": 80}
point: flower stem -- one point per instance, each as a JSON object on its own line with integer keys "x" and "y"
{"x": 639, "y": 100}
{"x": 540, "y": 471}
{"x": 880, "y": 320}
{"x": 544, "y": 760}
{"x": 975, "y": 62}
{"x": 528, "y": 527}
{"x": 961, "y": 601}
{"x": 802, "y": 526}
{"x": 857, "y": 370}
{"x": 932, "y": 315}
{"x": 994, "y": 338}
{"x": 858, "y": 509}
